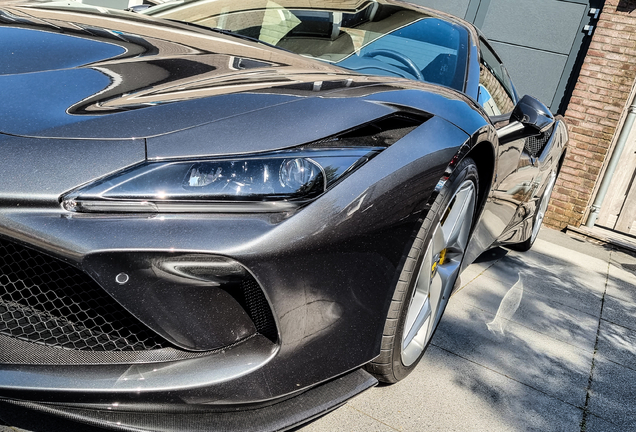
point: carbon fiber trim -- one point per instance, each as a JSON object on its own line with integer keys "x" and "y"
{"x": 14, "y": 351}
{"x": 47, "y": 302}
{"x": 277, "y": 417}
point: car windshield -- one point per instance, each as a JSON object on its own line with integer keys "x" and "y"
{"x": 369, "y": 37}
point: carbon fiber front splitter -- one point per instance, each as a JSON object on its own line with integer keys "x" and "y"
{"x": 292, "y": 412}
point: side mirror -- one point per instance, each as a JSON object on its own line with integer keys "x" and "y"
{"x": 533, "y": 114}
{"x": 530, "y": 117}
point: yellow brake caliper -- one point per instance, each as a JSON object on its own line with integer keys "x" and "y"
{"x": 439, "y": 261}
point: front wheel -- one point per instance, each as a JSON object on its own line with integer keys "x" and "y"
{"x": 428, "y": 276}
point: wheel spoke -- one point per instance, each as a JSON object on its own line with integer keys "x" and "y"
{"x": 437, "y": 289}
{"x": 438, "y": 271}
{"x": 420, "y": 320}
{"x": 448, "y": 271}
{"x": 459, "y": 217}
{"x": 420, "y": 296}
{"x": 438, "y": 242}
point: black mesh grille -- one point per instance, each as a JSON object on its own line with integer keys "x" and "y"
{"x": 47, "y": 301}
{"x": 16, "y": 351}
{"x": 257, "y": 307}
{"x": 535, "y": 144}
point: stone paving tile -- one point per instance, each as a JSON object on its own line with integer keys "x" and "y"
{"x": 619, "y": 312}
{"x": 535, "y": 311}
{"x": 582, "y": 246}
{"x": 625, "y": 260}
{"x": 345, "y": 419}
{"x": 562, "y": 261}
{"x": 470, "y": 274}
{"x": 621, "y": 283}
{"x": 596, "y": 424}
{"x": 617, "y": 344}
{"x": 558, "y": 281}
{"x": 483, "y": 263}
{"x": 613, "y": 393}
{"x": 449, "y": 393}
{"x": 622, "y": 277}
{"x": 551, "y": 366}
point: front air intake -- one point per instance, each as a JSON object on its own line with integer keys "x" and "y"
{"x": 46, "y": 301}
{"x": 49, "y": 303}
{"x": 535, "y": 144}
{"x": 255, "y": 304}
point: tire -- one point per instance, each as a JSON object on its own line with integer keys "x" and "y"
{"x": 428, "y": 276}
{"x": 537, "y": 219}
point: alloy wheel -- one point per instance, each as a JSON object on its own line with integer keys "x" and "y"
{"x": 438, "y": 271}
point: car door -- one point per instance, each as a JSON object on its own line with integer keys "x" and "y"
{"x": 516, "y": 169}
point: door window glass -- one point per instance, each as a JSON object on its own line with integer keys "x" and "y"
{"x": 495, "y": 88}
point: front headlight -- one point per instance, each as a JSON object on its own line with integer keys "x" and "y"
{"x": 275, "y": 181}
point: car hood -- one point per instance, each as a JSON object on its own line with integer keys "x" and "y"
{"x": 83, "y": 86}
{"x": 69, "y": 74}
{"x": 83, "y": 74}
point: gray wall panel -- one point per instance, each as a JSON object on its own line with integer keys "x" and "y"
{"x": 533, "y": 72}
{"x": 543, "y": 24}
{"x": 453, "y": 7}
{"x": 540, "y": 41}
{"x": 116, "y": 4}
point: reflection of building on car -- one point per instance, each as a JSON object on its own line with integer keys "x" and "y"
{"x": 407, "y": 43}
{"x": 110, "y": 4}
{"x": 268, "y": 210}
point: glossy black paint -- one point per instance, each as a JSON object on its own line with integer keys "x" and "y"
{"x": 123, "y": 88}
{"x": 532, "y": 113}
{"x": 35, "y": 171}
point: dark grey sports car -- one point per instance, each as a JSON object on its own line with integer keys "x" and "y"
{"x": 236, "y": 215}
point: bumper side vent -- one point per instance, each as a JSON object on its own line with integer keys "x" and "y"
{"x": 536, "y": 144}
{"x": 257, "y": 307}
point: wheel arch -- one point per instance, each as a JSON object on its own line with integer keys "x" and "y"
{"x": 561, "y": 160}
{"x": 483, "y": 153}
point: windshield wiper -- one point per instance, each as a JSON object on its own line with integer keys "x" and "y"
{"x": 229, "y": 33}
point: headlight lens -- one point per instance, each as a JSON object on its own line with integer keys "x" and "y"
{"x": 269, "y": 182}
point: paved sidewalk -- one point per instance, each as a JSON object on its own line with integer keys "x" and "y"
{"x": 543, "y": 340}
{"x": 538, "y": 341}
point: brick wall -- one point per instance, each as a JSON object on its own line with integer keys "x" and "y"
{"x": 595, "y": 111}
